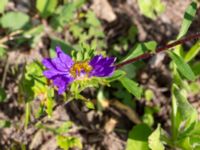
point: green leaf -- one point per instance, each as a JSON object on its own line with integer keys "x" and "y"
{"x": 46, "y": 7}
{"x": 149, "y": 94}
{"x": 196, "y": 68}
{"x": 138, "y": 138}
{"x": 2, "y": 52}
{"x": 2, "y": 95}
{"x": 49, "y": 103}
{"x": 34, "y": 31}
{"x": 140, "y": 49}
{"x": 154, "y": 140}
{"x": 151, "y": 8}
{"x": 188, "y": 18}
{"x": 33, "y": 82}
{"x": 89, "y": 105}
{"x": 14, "y": 20}
{"x": 3, "y": 5}
{"x": 66, "y": 142}
{"x": 64, "y": 128}
{"x": 91, "y": 19}
{"x": 5, "y": 124}
{"x": 131, "y": 86}
{"x": 192, "y": 52}
{"x": 184, "y": 113}
{"x": 185, "y": 144}
{"x": 116, "y": 76}
{"x": 76, "y": 30}
{"x": 63, "y": 15}
{"x": 183, "y": 67}
{"x": 27, "y": 113}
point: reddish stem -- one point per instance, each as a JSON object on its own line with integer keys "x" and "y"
{"x": 158, "y": 50}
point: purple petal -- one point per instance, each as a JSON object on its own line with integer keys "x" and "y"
{"x": 54, "y": 63}
{"x": 51, "y": 73}
{"x": 62, "y": 83}
{"x": 95, "y": 60}
{"x": 99, "y": 60}
{"x": 102, "y": 72}
{"x": 64, "y": 58}
{"x": 102, "y": 67}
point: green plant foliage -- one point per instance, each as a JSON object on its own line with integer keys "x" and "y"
{"x": 46, "y": 7}
{"x": 34, "y": 34}
{"x": 185, "y": 111}
{"x": 138, "y": 137}
{"x": 154, "y": 140}
{"x": 64, "y": 128}
{"x": 49, "y": 102}
{"x": 131, "y": 86}
{"x": 140, "y": 49}
{"x": 63, "y": 15}
{"x": 118, "y": 74}
{"x": 5, "y": 124}
{"x": 63, "y": 141}
{"x": 73, "y": 25}
{"x": 151, "y": 8}
{"x": 20, "y": 20}
{"x": 188, "y": 18}
{"x": 67, "y": 142}
{"x": 149, "y": 94}
{"x": 3, "y": 5}
{"x": 194, "y": 50}
{"x": 2, "y": 52}
{"x": 2, "y": 95}
{"x": 183, "y": 67}
{"x": 196, "y": 68}
{"x": 184, "y": 121}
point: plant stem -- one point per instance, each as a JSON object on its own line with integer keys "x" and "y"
{"x": 158, "y": 50}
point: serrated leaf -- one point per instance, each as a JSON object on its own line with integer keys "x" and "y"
{"x": 154, "y": 140}
{"x": 188, "y": 18}
{"x": 131, "y": 86}
{"x": 192, "y": 52}
{"x": 182, "y": 67}
{"x": 20, "y": 20}
{"x": 138, "y": 138}
{"x": 46, "y": 7}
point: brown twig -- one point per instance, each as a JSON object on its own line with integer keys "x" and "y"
{"x": 158, "y": 50}
{"x": 9, "y": 36}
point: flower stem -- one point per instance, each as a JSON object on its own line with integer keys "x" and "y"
{"x": 158, "y": 50}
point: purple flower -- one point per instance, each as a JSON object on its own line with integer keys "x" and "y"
{"x": 62, "y": 70}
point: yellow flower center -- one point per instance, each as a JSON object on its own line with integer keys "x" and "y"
{"x": 78, "y": 67}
